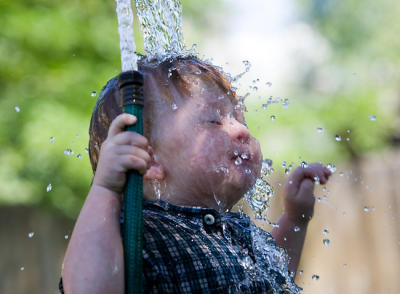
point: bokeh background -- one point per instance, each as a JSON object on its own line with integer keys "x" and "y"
{"x": 337, "y": 63}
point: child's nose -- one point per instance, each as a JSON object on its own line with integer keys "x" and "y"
{"x": 238, "y": 131}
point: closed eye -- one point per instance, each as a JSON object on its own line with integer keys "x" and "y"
{"x": 217, "y": 122}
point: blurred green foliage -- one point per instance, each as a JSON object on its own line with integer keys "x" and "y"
{"x": 358, "y": 78}
{"x": 53, "y": 55}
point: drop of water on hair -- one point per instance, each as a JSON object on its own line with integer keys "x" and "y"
{"x": 296, "y": 229}
{"x": 244, "y": 156}
{"x": 66, "y": 237}
{"x": 93, "y": 94}
{"x": 326, "y": 242}
{"x": 31, "y": 234}
{"x": 315, "y": 277}
{"x": 49, "y": 187}
{"x": 87, "y": 150}
{"x": 238, "y": 161}
{"x": 316, "y": 180}
{"x": 338, "y": 138}
{"x": 174, "y": 106}
{"x": 17, "y": 109}
{"x": 372, "y": 118}
{"x": 303, "y": 164}
{"x": 247, "y": 171}
{"x": 283, "y": 164}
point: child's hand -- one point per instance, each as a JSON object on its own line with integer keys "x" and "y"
{"x": 299, "y": 191}
{"x": 120, "y": 152}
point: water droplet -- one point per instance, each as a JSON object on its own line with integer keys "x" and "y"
{"x": 21, "y": 268}
{"x": 273, "y": 117}
{"x": 315, "y": 277}
{"x": 238, "y": 161}
{"x": 247, "y": 171}
{"x": 79, "y": 156}
{"x": 304, "y": 164}
{"x": 93, "y": 94}
{"x": 68, "y": 152}
{"x": 366, "y": 208}
{"x": 66, "y": 237}
{"x": 296, "y": 229}
{"x": 285, "y": 103}
{"x": 31, "y": 234}
{"x": 320, "y": 130}
{"x": 174, "y": 106}
{"x": 345, "y": 265}
{"x": 49, "y": 187}
{"x": 87, "y": 150}
{"x": 316, "y": 180}
{"x": 338, "y": 138}
{"x": 269, "y": 84}
{"x": 283, "y": 164}
{"x": 372, "y": 118}
{"x": 325, "y": 232}
{"x": 326, "y": 242}
{"x": 51, "y": 139}
{"x": 301, "y": 272}
{"x": 341, "y": 174}
{"x": 244, "y": 156}
{"x": 17, "y": 108}
{"x": 331, "y": 167}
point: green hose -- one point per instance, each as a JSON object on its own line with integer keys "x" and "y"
{"x": 131, "y": 88}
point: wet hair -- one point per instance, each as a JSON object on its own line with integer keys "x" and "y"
{"x": 172, "y": 78}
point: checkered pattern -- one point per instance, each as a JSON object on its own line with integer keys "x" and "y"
{"x": 183, "y": 254}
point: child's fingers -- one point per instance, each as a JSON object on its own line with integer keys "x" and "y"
{"x": 306, "y": 192}
{"x": 119, "y": 124}
{"x": 131, "y": 162}
{"x": 300, "y": 174}
{"x": 134, "y": 151}
{"x": 131, "y": 138}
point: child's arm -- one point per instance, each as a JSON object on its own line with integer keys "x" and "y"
{"x": 94, "y": 260}
{"x": 299, "y": 206}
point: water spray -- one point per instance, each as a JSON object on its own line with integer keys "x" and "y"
{"x": 130, "y": 82}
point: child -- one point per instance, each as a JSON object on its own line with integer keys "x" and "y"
{"x": 194, "y": 135}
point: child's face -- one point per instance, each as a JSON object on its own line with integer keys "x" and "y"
{"x": 207, "y": 151}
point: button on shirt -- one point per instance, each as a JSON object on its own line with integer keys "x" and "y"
{"x": 198, "y": 250}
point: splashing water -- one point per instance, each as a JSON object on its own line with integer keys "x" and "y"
{"x": 125, "y": 30}
{"x": 259, "y": 195}
{"x": 161, "y": 26}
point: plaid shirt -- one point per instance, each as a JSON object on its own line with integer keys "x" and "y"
{"x": 198, "y": 250}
